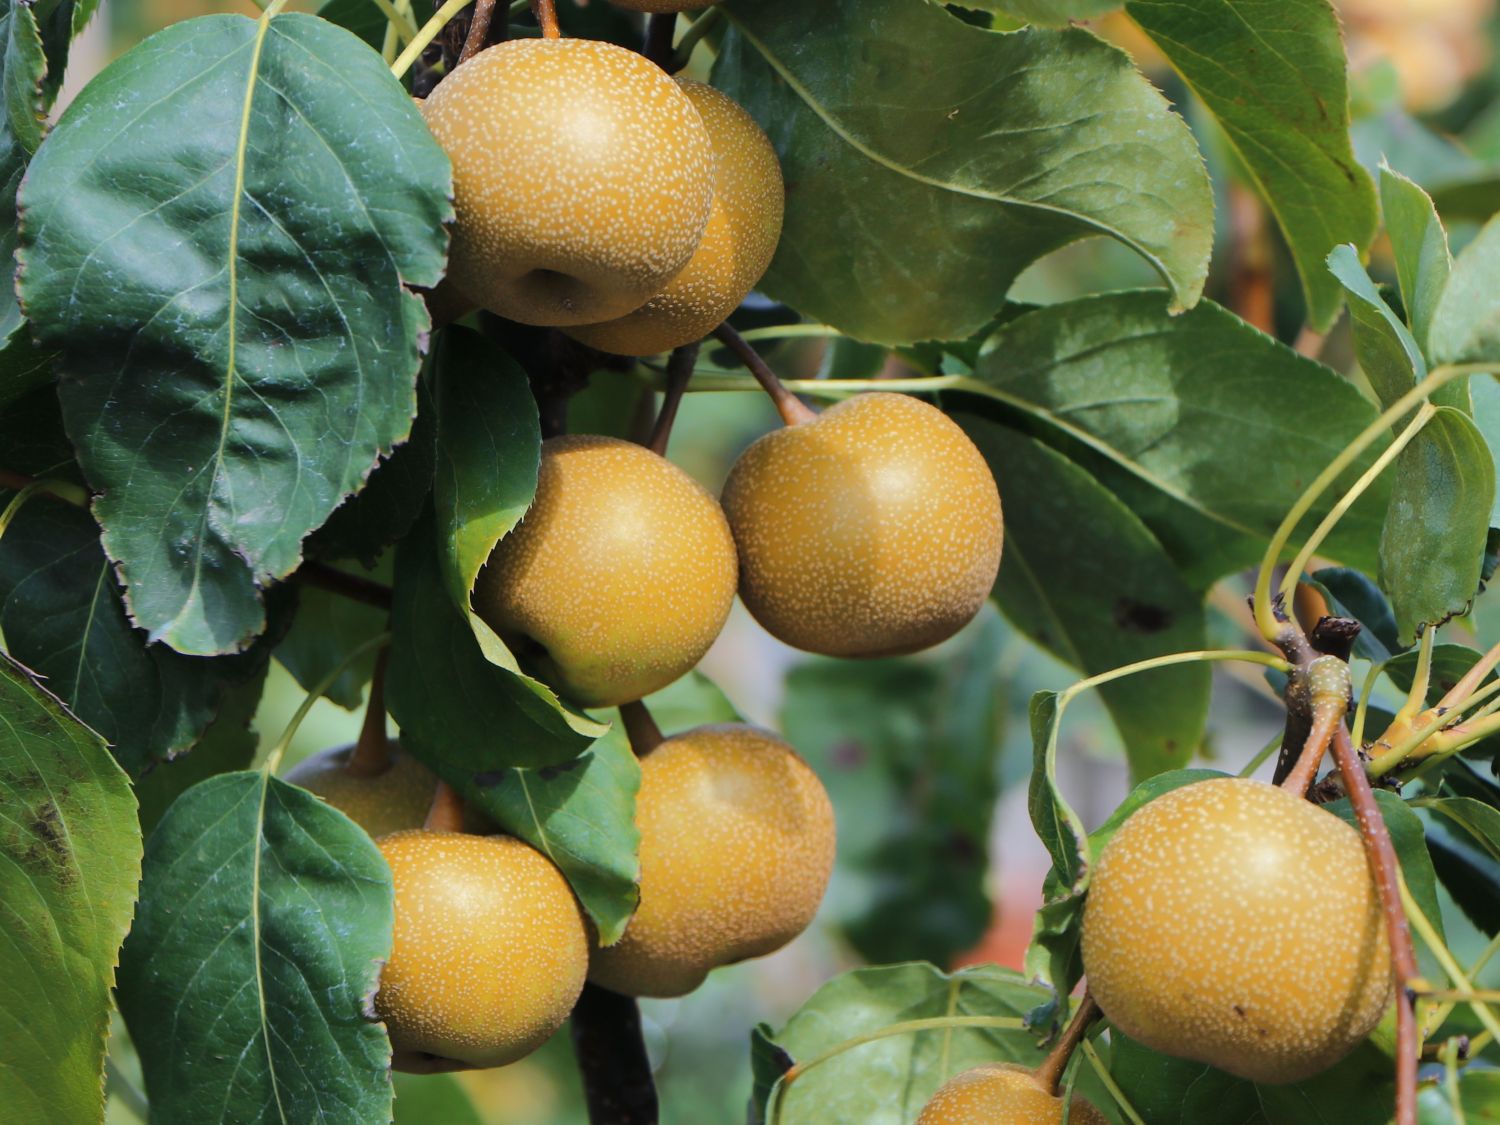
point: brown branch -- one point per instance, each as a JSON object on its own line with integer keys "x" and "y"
{"x": 479, "y": 30}
{"x": 1386, "y": 871}
{"x": 679, "y": 373}
{"x": 661, "y": 30}
{"x": 645, "y": 736}
{"x": 1050, "y": 1071}
{"x": 793, "y": 410}
{"x": 371, "y": 755}
{"x": 321, "y": 576}
{"x": 1318, "y": 737}
{"x": 546, "y": 18}
{"x": 612, "y": 1059}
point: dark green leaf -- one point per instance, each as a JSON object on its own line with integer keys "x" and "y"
{"x": 365, "y": 19}
{"x": 1176, "y": 414}
{"x": 951, "y": 157}
{"x": 1085, "y": 579}
{"x": 1433, "y": 541}
{"x": 249, "y": 976}
{"x": 1478, "y": 1100}
{"x": 907, "y": 749}
{"x": 888, "y": 1081}
{"x": 1388, "y": 353}
{"x": 1470, "y": 876}
{"x": 1479, "y": 820}
{"x": 1275, "y": 80}
{"x": 1420, "y": 247}
{"x": 216, "y": 237}
{"x": 1409, "y": 840}
{"x": 70, "y": 857}
{"x": 768, "y": 1063}
{"x": 1466, "y": 322}
{"x": 327, "y": 628}
{"x": 1058, "y": 827}
{"x": 465, "y": 712}
{"x": 1046, "y": 13}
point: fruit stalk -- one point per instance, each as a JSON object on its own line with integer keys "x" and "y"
{"x": 645, "y": 736}
{"x": 1328, "y": 689}
{"x": 371, "y": 755}
{"x": 546, "y": 18}
{"x": 1387, "y": 874}
{"x": 612, "y": 1060}
{"x": 660, "y": 30}
{"x": 478, "y": 37}
{"x": 447, "y": 812}
{"x": 679, "y": 373}
{"x": 321, "y": 576}
{"x": 792, "y": 409}
{"x": 1050, "y": 1071}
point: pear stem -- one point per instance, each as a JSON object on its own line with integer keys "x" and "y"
{"x": 321, "y": 576}
{"x": 661, "y": 29}
{"x": 546, "y": 18}
{"x": 57, "y": 489}
{"x": 371, "y": 755}
{"x": 612, "y": 1059}
{"x": 479, "y": 29}
{"x": 793, "y": 410}
{"x": 447, "y": 811}
{"x": 1049, "y": 1071}
{"x": 679, "y": 373}
{"x": 1381, "y": 854}
{"x": 645, "y": 736}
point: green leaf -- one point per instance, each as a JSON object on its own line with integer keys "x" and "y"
{"x": 490, "y": 450}
{"x": 70, "y": 857}
{"x": 237, "y": 345}
{"x": 1274, "y": 78}
{"x": 1169, "y": 1091}
{"x": 1046, "y": 13}
{"x": 907, "y": 748}
{"x": 465, "y": 712}
{"x": 1467, "y": 874}
{"x": 249, "y": 977}
{"x": 1175, "y": 414}
{"x": 1433, "y": 541}
{"x": 1086, "y": 580}
{"x": 1466, "y": 323}
{"x": 1007, "y": 145}
{"x": 1350, "y": 594}
{"x": 365, "y": 19}
{"x": 432, "y": 1099}
{"x": 327, "y": 628}
{"x": 1058, "y": 827}
{"x": 887, "y": 1082}
{"x": 1420, "y": 247}
{"x": 1388, "y": 353}
{"x": 1478, "y": 1100}
{"x": 62, "y": 615}
{"x": 23, "y": 63}
{"x": 1408, "y": 837}
{"x": 1479, "y": 820}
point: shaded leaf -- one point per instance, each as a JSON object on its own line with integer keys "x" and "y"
{"x": 1466, "y": 323}
{"x": 1470, "y": 876}
{"x": 1433, "y": 541}
{"x": 1350, "y": 594}
{"x": 1420, "y": 247}
{"x": 1175, "y": 414}
{"x": 70, "y": 857}
{"x": 1047, "y": 13}
{"x": 1409, "y": 839}
{"x": 249, "y": 976}
{"x": 216, "y": 237}
{"x": 1478, "y": 1100}
{"x": 1086, "y": 580}
{"x": 327, "y": 628}
{"x": 1010, "y": 145}
{"x": 1273, "y": 75}
{"x": 1388, "y": 353}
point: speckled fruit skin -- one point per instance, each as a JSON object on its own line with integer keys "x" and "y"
{"x": 623, "y": 571}
{"x": 871, "y": 531}
{"x": 1002, "y": 1094}
{"x": 1235, "y": 924}
{"x": 737, "y": 842}
{"x": 490, "y": 950}
{"x": 743, "y": 229}
{"x": 582, "y": 178}
{"x": 388, "y": 802}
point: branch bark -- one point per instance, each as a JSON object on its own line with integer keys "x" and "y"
{"x": 611, "y": 1052}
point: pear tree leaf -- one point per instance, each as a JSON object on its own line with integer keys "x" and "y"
{"x": 1433, "y": 541}
{"x": 237, "y": 345}
{"x": 1408, "y": 838}
{"x": 1477, "y": 1101}
{"x": 1466, "y": 322}
{"x": 1173, "y": 414}
{"x": 1350, "y": 594}
{"x": 1420, "y": 246}
{"x": 1086, "y": 580}
{"x": 1047, "y": 13}
{"x": 327, "y": 628}
{"x": 249, "y": 977}
{"x": 431, "y": 1099}
{"x": 951, "y": 158}
{"x": 1273, "y": 73}
{"x": 70, "y": 859}
{"x": 1388, "y": 353}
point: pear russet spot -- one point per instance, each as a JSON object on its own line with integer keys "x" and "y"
{"x": 873, "y": 530}
{"x": 1002, "y": 1094}
{"x": 1233, "y": 923}
{"x": 618, "y": 578}
{"x": 582, "y": 179}
{"x": 737, "y": 845}
{"x": 743, "y": 229}
{"x": 490, "y": 951}
{"x": 395, "y": 799}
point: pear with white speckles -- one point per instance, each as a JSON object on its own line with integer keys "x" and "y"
{"x": 1002, "y": 1094}
{"x": 619, "y": 577}
{"x": 743, "y": 229}
{"x": 582, "y": 179}
{"x": 1235, "y": 924}
{"x": 490, "y": 951}
{"x": 872, "y": 530}
{"x": 395, "y": 799}
{"x": 737, "y": 843}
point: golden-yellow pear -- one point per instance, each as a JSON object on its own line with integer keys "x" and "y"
{"x": 385, "y": 802}
{"x": 1235, "y": 924}
{"x": 619, "y": 577}
{"x": 743, "y": 229}
{"x": 1002, "y": 1094}
{"x": 737, "y": 844}
{"x": 490, "y": 950}
{"x": 872, "y": 530}
{"x": 582, "y": 178}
